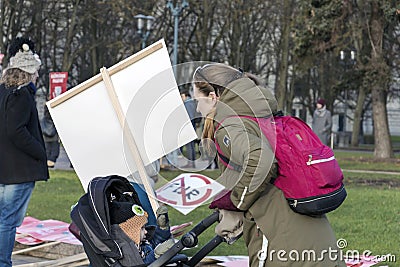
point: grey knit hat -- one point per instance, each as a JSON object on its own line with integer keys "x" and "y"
{"x": 25, "y": 60}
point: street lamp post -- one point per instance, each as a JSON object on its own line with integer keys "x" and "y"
{"x": 176, "y": 12}
{"x": 346, "y": 63}
{"x": 144, "y": 33}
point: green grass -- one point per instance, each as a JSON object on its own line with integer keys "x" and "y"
{"x": 395, "y": 139}
{"x": 369, "y": 142}
{"x": 53, "y": 199}
{"x": 369, "y": 219}
{"x": 365, "y": 161}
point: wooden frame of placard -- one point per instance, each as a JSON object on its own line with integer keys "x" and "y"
{"x": 104, "y": 76}
{"x": 98, "y": 78}
{"x": 131, "y": 141}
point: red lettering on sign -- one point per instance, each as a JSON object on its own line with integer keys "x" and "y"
{"x": 167, "y": 200}
{"x": 200, "y": 200}
{"x": 187, "y": 192}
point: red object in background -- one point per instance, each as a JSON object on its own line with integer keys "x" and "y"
{"x": 1, "y": 58}
{"x": 58, "y": 83}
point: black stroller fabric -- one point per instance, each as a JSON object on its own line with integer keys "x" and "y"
{"x": 105, "y": 243}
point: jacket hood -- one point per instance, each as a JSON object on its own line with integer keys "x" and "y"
{"x": 243, "y": 97}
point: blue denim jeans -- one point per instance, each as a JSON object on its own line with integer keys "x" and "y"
{"x": 14, "y": 199}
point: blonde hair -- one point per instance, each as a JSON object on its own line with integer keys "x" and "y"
{"x": 16, "y": 77}
{"x": 215, "y": 78}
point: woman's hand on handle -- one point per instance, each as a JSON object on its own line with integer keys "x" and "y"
{"x": 230, "y": 225}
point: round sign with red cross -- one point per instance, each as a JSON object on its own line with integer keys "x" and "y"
{"x": 188, "y": 191}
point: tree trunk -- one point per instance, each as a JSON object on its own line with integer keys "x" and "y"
{"x": 383, "y": 146}
{"x": 281, "y": 88}
{"x": 290, "y": 95}
{"x": 357, "y": 33}
{"x": 357, "y": 117}
{"x": 68, "y": 58}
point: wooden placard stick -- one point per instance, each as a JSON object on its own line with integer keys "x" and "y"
{"x": 131, "y": 141}
{"x": 58, "y": 262}
{"x": 35, "y": 247}
{"x": 81, "y": 263}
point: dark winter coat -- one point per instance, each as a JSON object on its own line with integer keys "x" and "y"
{"x": 265, "y": 207}
{"x": 147, "y": 247}
{"x": 21, "y": 142}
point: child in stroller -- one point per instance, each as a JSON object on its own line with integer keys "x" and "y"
{"x": 132, "y": 219}
{"x": 103, "y": 219}
{"x": 111, "y": 223}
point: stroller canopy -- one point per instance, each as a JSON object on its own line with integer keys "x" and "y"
{"x": 92, "y": 214}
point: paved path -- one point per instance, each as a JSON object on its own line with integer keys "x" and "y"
{"x": 379, "y": 172}
{"x": 63, "y": 162}
{"x": 23, "y": 259}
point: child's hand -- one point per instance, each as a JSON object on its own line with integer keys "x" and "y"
{"x": 162, "y": 217}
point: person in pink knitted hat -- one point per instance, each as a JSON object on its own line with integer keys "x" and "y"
{"x": 21, "y": 142}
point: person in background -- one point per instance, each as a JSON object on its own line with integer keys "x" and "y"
{"x": 21, "y": 142}
{"x": 252, "y": 205}
{"x": 190, "y": 106}
{"x": 322, "y": 122}
{"x": 50, "y": 135}
{"x": 51, "y": 139}
{"x": 1, "y": 64}
{"x": 171, "y": 161}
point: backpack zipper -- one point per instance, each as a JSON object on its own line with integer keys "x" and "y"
{"x": 296, "y": 202}
{"x": 311, "y": 162}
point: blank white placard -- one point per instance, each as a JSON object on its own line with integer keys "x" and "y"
{"x": 155, "y": 115}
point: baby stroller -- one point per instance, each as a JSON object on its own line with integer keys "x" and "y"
{"x": 107, "y": 245}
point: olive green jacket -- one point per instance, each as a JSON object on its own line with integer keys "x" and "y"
{"x": 264, "y": 205}
{"x": 241, "y": 140}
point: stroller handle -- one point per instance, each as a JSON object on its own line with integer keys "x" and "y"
{"x": 188, "y": 240}
{"x": 204, "y": 224}
{"x": 213, "y": 243}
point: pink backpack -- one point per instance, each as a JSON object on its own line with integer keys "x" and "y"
{"x": 308, "y": 173}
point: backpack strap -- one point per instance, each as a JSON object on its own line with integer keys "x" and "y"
{"x": 224, "y": 160}
{"x": 278, "y": 113}
{"x": 228, "y": 163}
